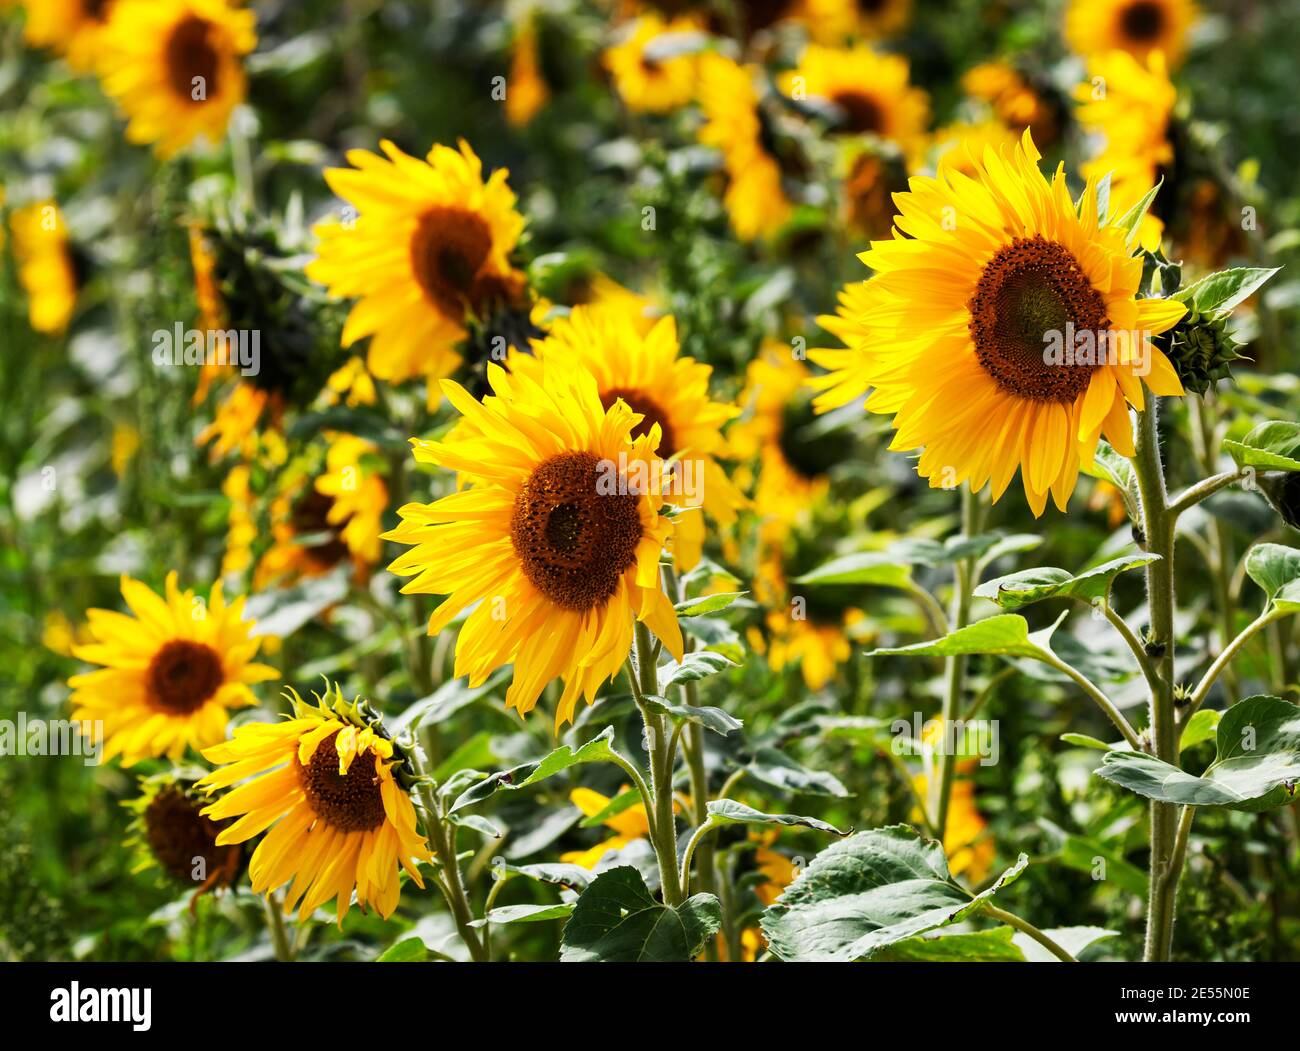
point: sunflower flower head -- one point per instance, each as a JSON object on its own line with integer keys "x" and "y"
{"x": 555, "y": 532}
{"x": 424, "y": 250}
{"x": 170, "y": 834}
{"x": 170, "y": 674}
{"x": 1139, "y": 27}
{"x": 72, "y": 28}
{"x": 332, "y": 788}
{"x": 1004, "y": 331}
{"x": 47, "y": 265}
{"x": 645, "y": 81}
{"x": 175, "y": 67}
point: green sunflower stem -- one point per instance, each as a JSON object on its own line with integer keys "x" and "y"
{"x": 1158, "y": 523}
{"x": 442, "y": 841}
{"x": 275, "y": 925}
{"x": 954, "y": 668}
{"x": 660, "y": 745}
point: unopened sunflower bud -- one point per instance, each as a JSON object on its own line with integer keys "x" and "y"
{"x": 1201, "y": 351}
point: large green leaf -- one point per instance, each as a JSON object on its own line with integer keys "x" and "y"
{"x": 1015, "y": 590}
{"x": 444, "y": 702}
{"x": 616, "y": 920}
{"x": 862, "y": 567}
{"x": 1007, "y": 635}
{"x": 730, "y": 812}
{"x": 1271, "y": 446}
{"x": 1276, "y": 569}
{"x": 693, "y": 667}
{"x": 506, "y": 914}
{"x": 1217, "y": 294}
{"x": 1256, "y": 766}
{"x": 594, "y": 751}
{"x": 714, "y": 719}
{"x": 778, "y": 771}
{"x": 870, "y": 891}
{"x": 992, "y": 946}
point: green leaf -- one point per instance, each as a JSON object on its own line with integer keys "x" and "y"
{"x": 1084, "y": 741}
{"x": 778, "y": 771}
{"x": 476, "y": 753}
{"x": 1276, "y": 569}
{"x": 695, "y": 607}
{"x": 594, "y": 751}
{"x": 1007, "y": 635}
{"x": 444, "y": 702}
{"x": 694, "y": 666}
{"x": 1200, "y": 727}
{"x": 623, "y": 801}
{"x": 991, "y": 946}
{"x": 282, "y": 611}
{"x": 870, "y": 891}
{"x": 1132, "y": 219}
{"x": 730, "y": 812}
{"x": 1081, "y": 854}
{"x": 714, "y": 719}
{"x": 863, "y": 567}
{"x": 1072, "y": 939}
{"x": 1256, "y": 766}
{"x": 1015, "y": 590}
{"x": 616, "y": 920}
{"x": 1269, "y": 446}
{"x": 525, "y": 914}
{"x": 1217, "y": 294}
{"x": 408, "y": 950}
{"x": 558, "y": 872}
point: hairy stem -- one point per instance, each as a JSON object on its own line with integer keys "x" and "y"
{"x": 1012, "y": 920}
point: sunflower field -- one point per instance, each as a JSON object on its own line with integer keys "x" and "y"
{"x": 614, "y": 480}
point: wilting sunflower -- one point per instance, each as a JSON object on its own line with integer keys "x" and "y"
{"x": 835, "y": 21}
{"x": 427, "y": 253}
{"x": 1136, "y": 26}
{"x": 627, "y": 825}
{"x": 795, "y": 450}
{"x": 172, "y": 673}
{"x": 175, "y": 67}
{"x": 1129, "y": 104}
{"x": 963, "y": 315}
{"x": 47, "y": 265}
{"x": 870, "y": 91}
{"x": 526, "y": 90}
{"x": 557, "y": 536}
{"x": 645, "y": 371}
{"x": 755, "y": 200}
{"x": 169, "y": 832}
{"x": 73, "y": 28}
{"x": 645, "y": 82}
{"x": 326, "y": 784}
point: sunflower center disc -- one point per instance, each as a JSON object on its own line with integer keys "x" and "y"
{"x": 651, "y": 412}
{"x": 1143, "y": 21}
{"x": 350, "y": 802}
{"x": 182, "y": 675}
{"x": 448, "y": 250}
{"x": 1031, "y": 294}
{"x": 94, "y": 9}
{"x": 574, "y": 541}
{"x": 178, "y": 835}
{"x": 192, "y": 61}
{"x": 861, "y": 112}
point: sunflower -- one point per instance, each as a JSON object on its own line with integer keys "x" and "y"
{"x": 175, "y": 68}
{"x": 811, "y": 629}
{"x": 1129, "y": 105}
{"x": 1016, "y": 100}
{"x": 318, "y": 523}
{"x": 870, "y": 91}
{"x": 645, "y": 371}
{"x": 981, "y": 276}
{"x": 754, "y": 197}
{"x": 427, "y": 253}
{"x": 326, "y": 784}
{"x": 557, "y": 536}
{"x": 835, "y": 21}
{"x": 871, "y": 178}
{"x": 47, "y": 266}
{"x": 171, "y": 674}
{"x": 526, "y": 90}
{"x": 966, "y": 840}
{"x": 627, "y": 825}
{"x": 241, "y": 526}
{"x": 1139, "y": 27}
{"x": 645, "y": 82}
{"x": 841, "y": 383}
{"x": 73, "y": 28}
{"x": 169, "y": 833}
{"x": 795, "y": 451}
